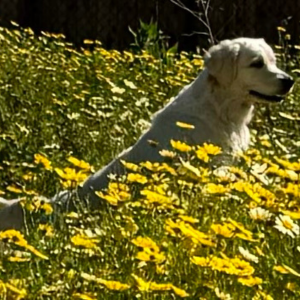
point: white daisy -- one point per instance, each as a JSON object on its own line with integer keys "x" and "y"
{"x": 247, "y": 255}
{"x": 222, "y": 295}
{"x": 287, "y": 226}
{"x": 259, "y": 213}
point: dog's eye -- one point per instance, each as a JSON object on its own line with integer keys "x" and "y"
{"x": 257, "y": 64}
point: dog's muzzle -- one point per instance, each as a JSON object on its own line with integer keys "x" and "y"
{"x": 286, "y": 86}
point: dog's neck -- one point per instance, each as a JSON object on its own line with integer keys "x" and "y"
{"x": 204, "y": 102}
{"x": 225, "y": 102}
{"x": 230, "y": 107}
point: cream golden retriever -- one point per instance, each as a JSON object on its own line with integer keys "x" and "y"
{"x": 219, "y": 103}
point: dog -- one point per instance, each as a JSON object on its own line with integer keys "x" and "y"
{"x": 219, "y": 104}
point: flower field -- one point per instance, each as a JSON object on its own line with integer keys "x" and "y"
{"x": 171, "y": 230}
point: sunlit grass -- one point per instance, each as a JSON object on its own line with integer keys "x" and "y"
{"x": 177, "y": 229}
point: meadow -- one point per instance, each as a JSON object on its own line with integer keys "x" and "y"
{"x": 179, "y": 229}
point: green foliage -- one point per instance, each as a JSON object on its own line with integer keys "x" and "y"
{"x": 172, "y": 230}
{"x": 150, "y": 38}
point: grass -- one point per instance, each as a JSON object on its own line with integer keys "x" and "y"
{"x": 175, "y": 230}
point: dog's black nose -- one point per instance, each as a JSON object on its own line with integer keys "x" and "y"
{"x": 287, "y": 83}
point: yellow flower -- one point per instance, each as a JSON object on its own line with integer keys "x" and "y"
{"x": 233, "y": 266}
{"x": 227, "y": 230}
{"x": 111, "y": 199}
{"x": 292, "y": 214}
{"x": 287, "y": 226}
{"x": 84, "y": 241}
{"x": 153, "y": 286}
{"x": 117, "y": 192}
{"x": 281, "y": 269}
{"x": 295, "y": 166}
{"x": 13, "y": 236}
{"x": 36, "y": 252}
{"x": 17, "y": 238}
{"x": 149, "y": 255}
{"x": 204, "y": 151}
{"x": 198, "y": 62}
{"x": 284, "y": 269}
{"x": 109, "y": 284}
{"x": 239, "y": 172}
{"x": 31, "y": 192}
{"x": 185, "y": 125}
{"x": 180, "y": 146}
{"x": 151, "y": 166}
{"x": 187, "y": 230}
{"x": 37, "y": 203}
{"x": 250, "y": 281}
{"x": 212, "y": 188}
{"x": 129, "y": 55}
{"x": 188, "y": 219}
{"x": 40, "y": 159}
{"x": 130, "y": 166}
{"x": 259, "y": 251}
{"x": 49, "y": 230}
{"x": 281, "y": 29}
{"x": 3, "y": 289}
{"x": 255, "y": 192}
{"x": 260, "y": 295}
{"x": 83, "y": 296}
{"x": 71, "y": 174}
{"x": 292, "y": 286}
{"x": 293, "y": 189}
{"x": 246, "y": 234}
{"x": 73, "y": 215}
{"x": 47, "y": 207}
{"x": 114, "y": 285}
{"x": 166, "y": 168}
{"x": 167, "y": 153}
{"x": 145, "y": 242}
{"x": 198, "y": 174}
{"x": 79, "y": 163}
{"x": 142, "y": 285}
{"x": 153, "y": 197}
{"x": 21, "y": 292}
{"x": 179, "y": 292}
{"x": 14, "y": 189}
{"x": 88, "y": 42}
{"x": 119, "y": 187}
{"x": 201, "y": 261}
{"x": 292, "y": 175}
{"x": 254, "y": 153}
{"x": 18, "y": 259}
{"x": 135, "y": 177}
{"x": 160, "y": 269}
{"x": 240, "y": 186}
{"x": 242, "y": 268}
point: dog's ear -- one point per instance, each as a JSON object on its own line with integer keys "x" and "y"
{"x": 221, "y": 61}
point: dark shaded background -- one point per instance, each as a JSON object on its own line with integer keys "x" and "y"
{"x": 108, "y": 20}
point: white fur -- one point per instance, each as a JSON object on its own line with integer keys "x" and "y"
{"x": 217, "y": 103}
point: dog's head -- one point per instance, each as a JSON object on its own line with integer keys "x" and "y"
{"x": 248, "y": 65}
